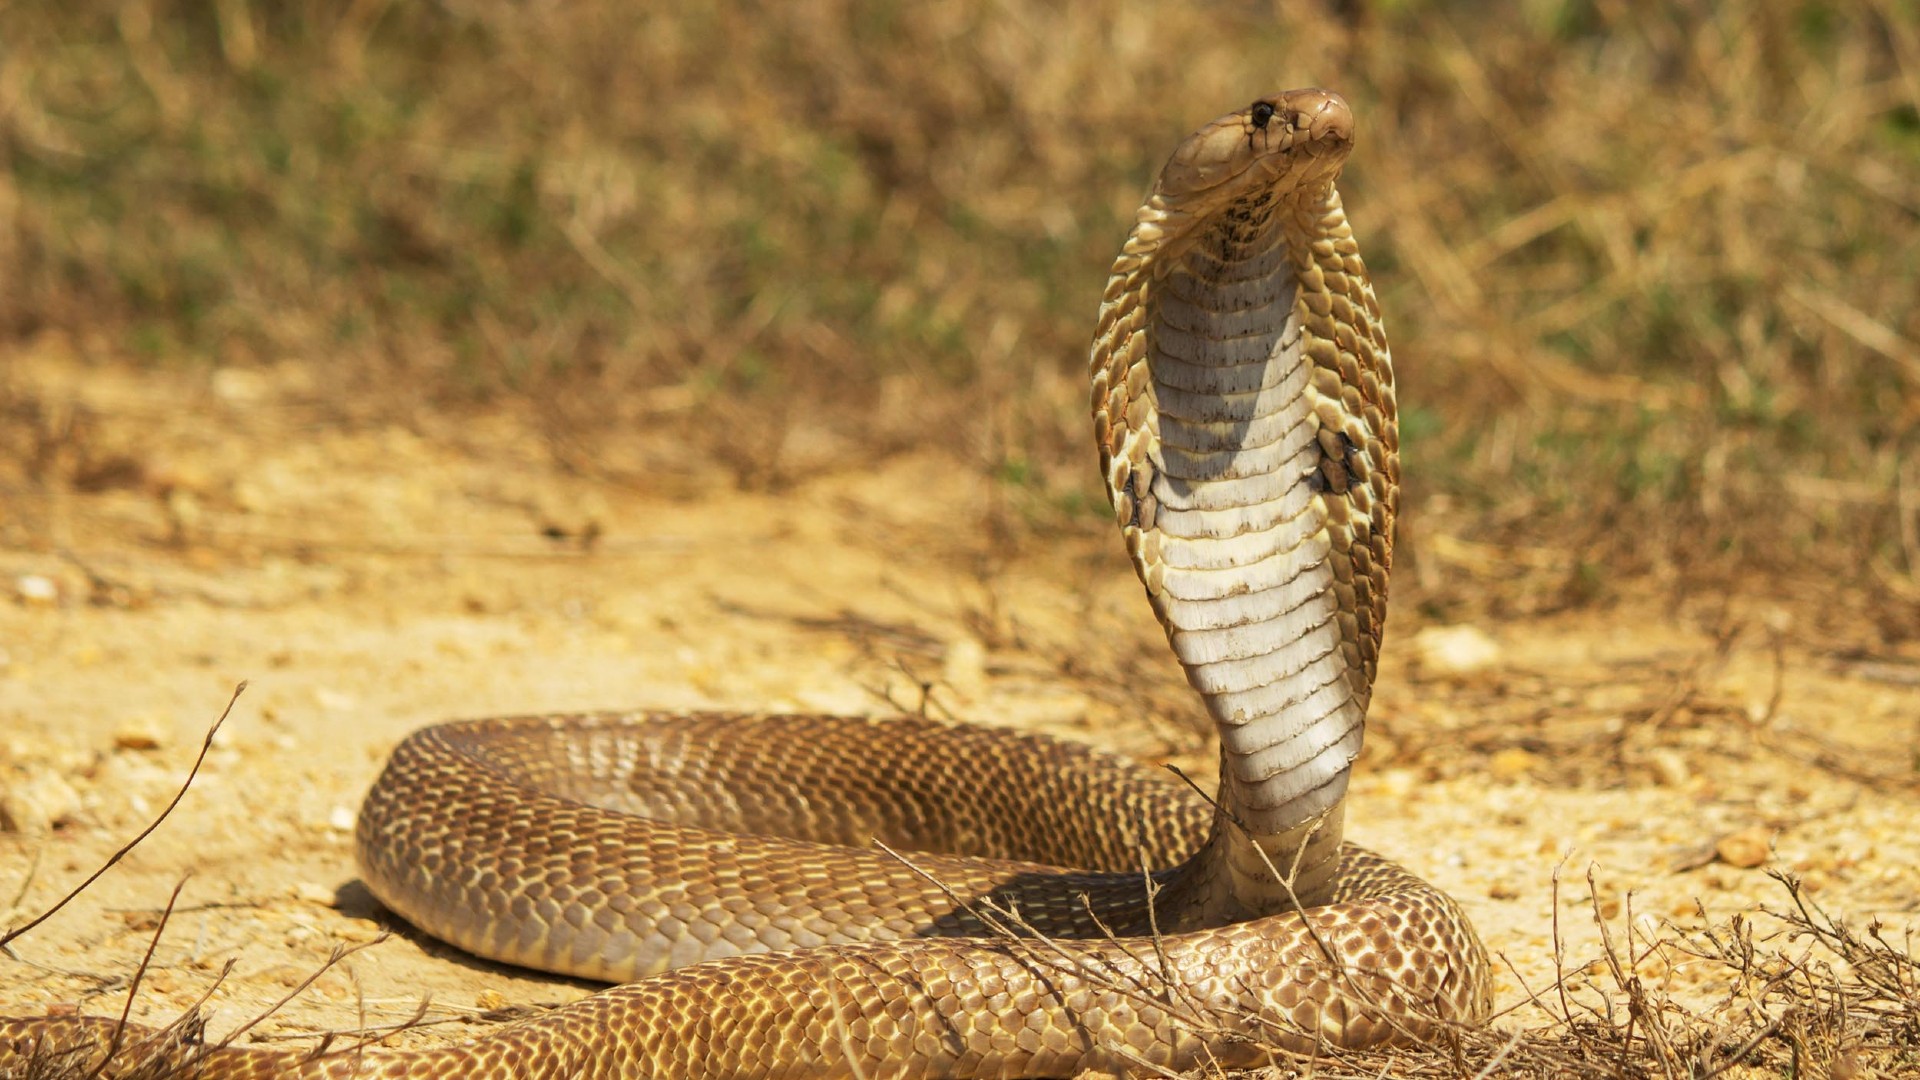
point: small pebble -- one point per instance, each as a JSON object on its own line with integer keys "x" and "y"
{"x": 334, "y": 700}
{"x": 489, "y": 1000}
{"x": 340, "y": 819}
{"x": 37, "y": 803}
{"x": 1398, "y": 784}
{"x": 1512, "y": 763}
{"x": 1669, "y": 767}
{"x": 36, "y": 590}
{"x": 1455, "y": 650}
{"x": 965, "y": 667}
{"x": 312, "y": 892}
{"x": 358, "y": 932}
{"x": 141, "y": 733}
{"x": 1745, "y": 849}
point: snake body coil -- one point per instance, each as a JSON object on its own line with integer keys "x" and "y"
{"x": 723, "y": 867}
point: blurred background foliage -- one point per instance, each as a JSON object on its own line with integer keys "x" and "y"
{"x": 1650, "y": 266}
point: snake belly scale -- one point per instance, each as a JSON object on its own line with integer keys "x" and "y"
{"x": 724, "y": 869}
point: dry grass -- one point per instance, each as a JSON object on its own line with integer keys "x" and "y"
{"x": 1805, "y": 996}
{"x": 1650, "y": 268}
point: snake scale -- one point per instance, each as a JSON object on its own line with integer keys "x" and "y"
{"x": 724, "y": 869}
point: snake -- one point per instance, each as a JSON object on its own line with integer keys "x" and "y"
{"x": 821, "y": 896}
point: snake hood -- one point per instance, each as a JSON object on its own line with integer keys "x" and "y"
{"x": 1243, "y": 407}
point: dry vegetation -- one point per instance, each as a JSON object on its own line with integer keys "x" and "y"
{"x": 1650, "y": 271}
{"x": 1650, "y": 267}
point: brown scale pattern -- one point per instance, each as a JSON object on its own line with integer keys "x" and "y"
{"x": 690, "y": 853}
{"x": 1359, "y": 431}
{"x": 950, "y": 1007}
{"x": 767, "y": 863}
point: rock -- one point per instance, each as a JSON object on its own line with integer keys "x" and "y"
{"x": 1669, "y": 767}
{"x": 140, "y": 733}
{"x": 312, "y": 892}
{"x": 965, "y": 668}
{"x": 358, "y": 932}
{"x": 37, "y": 802}
{"x": 1745, "y": 849}
{"x": 1512, "y": 763}
{"x": 1455, "y": 650}
{"x": 333, "y": 700}
{"x": 36, "y": 590}
{"x": 340, "y": 819}
{"x": 1398, "y": 785}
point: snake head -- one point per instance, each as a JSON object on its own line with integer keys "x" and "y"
{"x": 1292, "y": 141}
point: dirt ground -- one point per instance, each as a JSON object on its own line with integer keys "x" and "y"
{"x": 206, "y": 529}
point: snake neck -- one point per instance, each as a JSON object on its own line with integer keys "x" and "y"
{"x": 1244, "y": 405}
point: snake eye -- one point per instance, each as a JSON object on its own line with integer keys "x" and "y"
{"x": 1260, "y": 114}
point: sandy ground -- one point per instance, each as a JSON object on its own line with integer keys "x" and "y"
{"x": 207, "y": 530}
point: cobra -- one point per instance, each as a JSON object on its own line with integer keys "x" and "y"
{"x": 723, "y": 868}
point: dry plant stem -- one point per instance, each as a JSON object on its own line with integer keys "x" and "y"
{"x": 1171, "y": 995}
{"x": 1506, "y": 1048}
{"x": 847, "y": 1051}
{"x": 139, "y": 971}
{"x": 206, "y": 744}
{"x": 1432, "y": 1015}
{"x": 1007, "y": 923}
{"x": 26, "y": 883}
{"x": 338, "y": 954}
{"x": 148, "y": 1038}
{"x": 1560, "y": 949}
